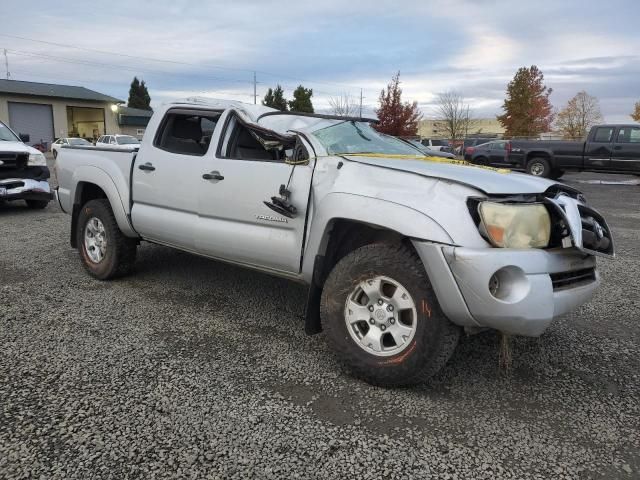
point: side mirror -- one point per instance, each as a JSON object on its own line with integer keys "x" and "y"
{"x": 24, "y": 137}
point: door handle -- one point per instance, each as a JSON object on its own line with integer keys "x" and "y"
{"x": 213, "y": 176}
{"x": 147, "y": 167}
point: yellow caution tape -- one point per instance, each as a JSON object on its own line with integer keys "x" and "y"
{"x": 427, "y": 159}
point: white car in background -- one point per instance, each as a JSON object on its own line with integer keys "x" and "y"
{"x": 118, "y": 142}
{"x": 74, "y": 142}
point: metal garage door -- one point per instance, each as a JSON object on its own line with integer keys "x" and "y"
{"x": 34, "y": 119}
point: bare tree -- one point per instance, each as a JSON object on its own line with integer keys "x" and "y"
{"x": 455, "y": 115}
{"x": 344, "y": 105}
{"x": 579, "y": 115}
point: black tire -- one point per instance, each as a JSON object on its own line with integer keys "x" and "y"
{"x": 539, "y": 167}
{"x": 556, "y": 174}
{"x": 37, "y": 204}
{"x": 435, "y": 336}
{"x": 120, "y": 254}
{"x": 481, "y": 161}
{"x": 55, "y": 154}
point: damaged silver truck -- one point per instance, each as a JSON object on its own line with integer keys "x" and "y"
{"x": 401, "y": 252}
{"x": 23, "y": 171}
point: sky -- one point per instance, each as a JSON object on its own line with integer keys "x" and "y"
{"x": 212, "y": 48}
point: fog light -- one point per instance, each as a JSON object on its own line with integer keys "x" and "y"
{"x": 494, "y": 285}
{"x": 509, "y": 284}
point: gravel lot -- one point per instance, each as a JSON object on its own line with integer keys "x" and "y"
{"x": 196, "y": 369}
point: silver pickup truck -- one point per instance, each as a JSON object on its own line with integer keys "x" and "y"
{"x": 400, "y": 251}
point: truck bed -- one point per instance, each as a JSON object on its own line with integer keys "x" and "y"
{"x": 100, "y": 162}
{"x": 566, "y": 154}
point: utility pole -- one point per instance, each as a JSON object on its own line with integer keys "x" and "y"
{"x": 255, "y": 94}
{"x": 360, "y": 103}
{"x": 6, "y": 64}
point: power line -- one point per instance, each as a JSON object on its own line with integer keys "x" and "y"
{"x": 126, "y": 55}
{"x": 112, "y": 65}
{"x": 175, "y": 62}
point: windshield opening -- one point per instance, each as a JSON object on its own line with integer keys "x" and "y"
{"x": 126, "y": 140}
{"x": 360, "y": 138}
{"x": 6, "y": 135}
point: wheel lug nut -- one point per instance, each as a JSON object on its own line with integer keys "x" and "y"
{"x": 383, "y": 327}
{"x": 372, "y": 321}
{"x": 392, "y": 320}
{"x": 371, "y": 308}
{"x": 380, "y": 301}
{"x": 390, "y": 308}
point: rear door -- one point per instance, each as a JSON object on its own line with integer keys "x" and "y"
{"x": 166, "y": 174}
{"x": 235, "y": 224}
{"x": 626, "y": 150}
{"x": 597, "y": 154}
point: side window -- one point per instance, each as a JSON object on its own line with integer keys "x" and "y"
{"x": 246, "y": 142}
{"x": 186, "y": 133}
{"x": 629, "y": 135}
{"x": 112, "y": 140}
{"x": 603, "y": 134}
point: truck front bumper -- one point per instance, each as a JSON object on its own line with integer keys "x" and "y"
{"x": 518, "y": 292}
{"x": 25, "y": 189}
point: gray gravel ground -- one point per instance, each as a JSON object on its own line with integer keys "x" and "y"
{"x": 195, "y": 369}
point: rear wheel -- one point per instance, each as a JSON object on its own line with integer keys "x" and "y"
{"x": 539, "y": 167}
{"x": 104, "y": 251}
{"x": 382, "y": 318}
{"x": 37, "y": 204}
{"x": 481, "y": 161}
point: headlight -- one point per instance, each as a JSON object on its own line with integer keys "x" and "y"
{"x": 511, "y": 225}
{"x": 37, "y": 160}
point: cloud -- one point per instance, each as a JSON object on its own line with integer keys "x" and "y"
{"x": 212, "y": 48}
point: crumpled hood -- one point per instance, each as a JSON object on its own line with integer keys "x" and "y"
{"x": 487, "y": 180}
{"x": 16, "y": 147}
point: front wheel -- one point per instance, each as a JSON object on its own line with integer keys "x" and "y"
{"x": 104, "y": 250}
{"x": 382, "y": 318}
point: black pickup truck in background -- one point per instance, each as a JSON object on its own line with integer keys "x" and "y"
{"x": 607, "y": 149}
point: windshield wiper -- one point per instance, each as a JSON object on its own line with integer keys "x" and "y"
{"x": 362, "y": 135}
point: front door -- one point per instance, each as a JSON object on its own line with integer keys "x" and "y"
{"x": 597, "y": 154}
{"x": 235, "y": 224}
{"x": 626, "y": 150}
{"x": 166, "y": 175}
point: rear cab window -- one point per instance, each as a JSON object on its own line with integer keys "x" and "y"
{"x": 186, "y": 132}
{"x": 629, "y": 135}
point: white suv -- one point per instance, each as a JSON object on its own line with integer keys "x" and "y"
{"x": 118, "y": 142}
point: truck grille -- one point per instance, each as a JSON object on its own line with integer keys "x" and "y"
{"x": 573, "y": 279}
{"x": 596, "y": 235}
{"x": 13, "y": 160}
{"x": 12, "y": 184}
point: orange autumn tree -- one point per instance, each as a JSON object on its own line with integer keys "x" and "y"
{"x": 527, "y": 109}
{"x": 396, "y": 117}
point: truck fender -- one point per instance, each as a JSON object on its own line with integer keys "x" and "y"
{"x": 373, "y": 211}
{"x": 100, "y": 178}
